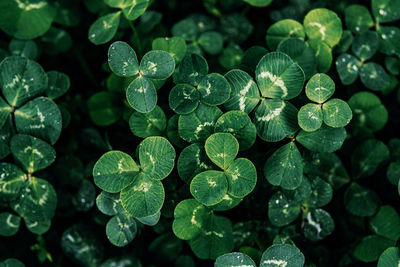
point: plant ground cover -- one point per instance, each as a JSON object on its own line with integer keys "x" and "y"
{"x": 199, "y": 133}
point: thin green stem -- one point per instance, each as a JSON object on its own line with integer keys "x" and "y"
{"x": 136, "y": 39}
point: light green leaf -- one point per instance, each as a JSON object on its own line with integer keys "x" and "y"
{"x": 257, "y": 3}
{"x": 240, "y": 126}
{"x": 41, "y": 118}
{"x": 183, "y": 98}
{"x": 114, "y": 171}
{"x": 227, "y": 203}
{"x": 367, "y": 157}
{"x": 209, "y": 187}
{"x": 325, "y": 139}
{"x": 310, "y": 117}
{"x": 386, "y": 223}
{"x": 9, "y": 224}
{"x": 12, "y": 179}
{"x": 192, "y": 161}
{"x": 236, "y": 259}
{"x": 33, "y": 153}
{"x": 21, "y": 79}
{"x": 122, "y": 59}
{"x": 244, "y": 95}
{"x": 386, "y": 10}
{"x": 318, "y": 224}
{"x": 285, "y": 167}
{"x": 189, "y": 219}
{"x": 284, "y": 29}
{"x": 282, "y": 255}
{"x": 148, "y": 124}
{"x": 361, "y": 201}
{"x": 278, "y": 76}
{"x": 337, "y": 113}
{"x": 347, "y": 67}
{"x": 214, "y": 89}
{"x": 121, "y": 230}
{"x": 222, "y": 149}
{"x": 374, "y": 77}
{"x": 358, "y": 18}
{"x": 175, "y": 46}
{"x": 144, "y": 197}
{"x": 104, "y": 28}
{"x": 212, "y": 42}
{"x": 242, "y": 177}
{"x": 320, "y": 88}
{"x": 28, "y": 19}
{"x": 157, "y": 157}
{"x": 198, "y": 125}
{"x": 157, "y": 64}
{"x": 142, "y": 95}
{"x": 275, "y": 119}
{"x": 323, "y": 24}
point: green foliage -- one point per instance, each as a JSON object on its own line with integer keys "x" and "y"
{"x": 176, "y": 111}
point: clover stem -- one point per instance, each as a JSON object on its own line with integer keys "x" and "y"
{"x": 136, "y": 39}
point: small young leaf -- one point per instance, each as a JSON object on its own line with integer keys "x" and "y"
{"x": 122, "y": 59}
{"x": 121, "y": 230}
{"x": 148, "y": 124}
{"x": 134, "y": 9}
{"x": 320, "y": 88}
{"x": 285, "y": 167}
{"x": 104, "y": 28}
{"x": 323, "y": 24}
{"x": 114, "y": 171}
{"x": 282, "y": 255}
{"x": 157, "y": 64}
{"x": 337, "y": 113}
{"x": 310, "y": 117}
{"x": 222, "y": 149}
{"x": 142, "y": 95}
{"x": 58, "y": 84}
